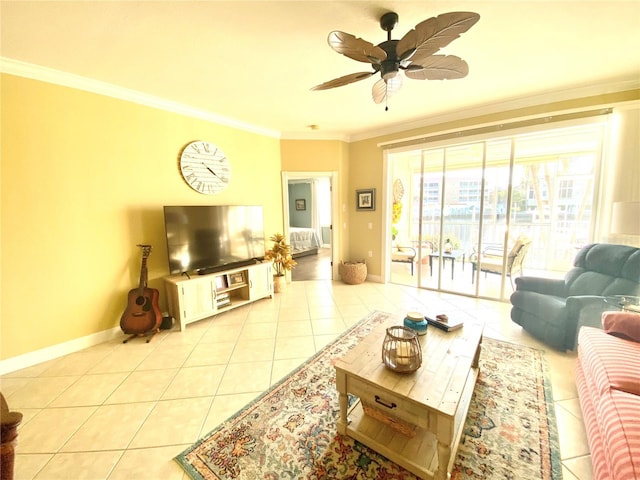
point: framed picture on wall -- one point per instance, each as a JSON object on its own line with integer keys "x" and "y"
{"x": 366, "y": 199}
{"x": 301, "y": 204}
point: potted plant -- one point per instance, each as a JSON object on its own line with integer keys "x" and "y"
{"x": 280, "y": 255}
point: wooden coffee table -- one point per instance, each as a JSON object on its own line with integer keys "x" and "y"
{"x": 413, "y": 419}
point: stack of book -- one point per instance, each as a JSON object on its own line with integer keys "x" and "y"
{"x": 445, "y": 323}
{"x": 223, "y": 300}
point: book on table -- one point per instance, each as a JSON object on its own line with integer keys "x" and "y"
{"x": 448, "y": 326}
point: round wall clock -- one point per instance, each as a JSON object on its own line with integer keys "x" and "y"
{"x": 205, "y": 167}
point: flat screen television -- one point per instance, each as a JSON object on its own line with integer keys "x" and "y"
{"x": 211, "y": 238}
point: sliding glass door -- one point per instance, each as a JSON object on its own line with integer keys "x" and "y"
{"x": 479, "y": 214}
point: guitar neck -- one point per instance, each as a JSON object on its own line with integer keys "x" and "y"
{"x": 146, "y": 251}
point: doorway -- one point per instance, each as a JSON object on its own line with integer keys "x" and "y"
{"x": 309, "y": 204}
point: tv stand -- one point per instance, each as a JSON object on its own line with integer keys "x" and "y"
{"x": 193, "y": 299}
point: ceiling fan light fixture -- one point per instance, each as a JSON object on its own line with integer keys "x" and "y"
{"x": 390, "y": 74}
{"x": 415, "y": 53}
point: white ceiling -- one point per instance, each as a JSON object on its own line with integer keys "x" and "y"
{"x": 255, "y": 62}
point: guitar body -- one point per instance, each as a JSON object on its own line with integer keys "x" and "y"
{"x": 142, "y": 314}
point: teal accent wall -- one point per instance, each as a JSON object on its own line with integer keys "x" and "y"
{"x": 300, "y": 218}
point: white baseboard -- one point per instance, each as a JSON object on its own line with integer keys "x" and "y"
{"x": 49, "y": 353}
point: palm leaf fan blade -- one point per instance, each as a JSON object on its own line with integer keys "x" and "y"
{"x": 383, "y": 89}
{"x": 345, "y": 80}
{"x": 440, "y": 67}
{"x": 435, "y": 33}
{"x": 356, "y": 48}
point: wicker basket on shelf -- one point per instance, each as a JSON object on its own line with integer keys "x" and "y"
{"x": 353, "y": 273}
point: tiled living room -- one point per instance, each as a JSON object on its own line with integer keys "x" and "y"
{"x": 117, "y": 411}
{"x": 100, "y": 100}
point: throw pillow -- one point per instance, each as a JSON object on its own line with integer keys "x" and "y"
{"x": 622, "y": 324}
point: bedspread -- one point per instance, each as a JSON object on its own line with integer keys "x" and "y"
{"x": 302, "y": 239}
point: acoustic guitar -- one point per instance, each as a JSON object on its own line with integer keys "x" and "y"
{"x": 142, "y": 315}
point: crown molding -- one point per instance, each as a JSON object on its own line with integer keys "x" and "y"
{"x": 57, "y": 77}
{"x": 582, "y": 91}
{"x": 315, "y": 135}
{"x": 49, "y": 75}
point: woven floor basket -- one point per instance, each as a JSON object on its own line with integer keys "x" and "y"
{"x": 353, "y": 273}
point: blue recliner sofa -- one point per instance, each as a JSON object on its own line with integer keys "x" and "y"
{"x": 553, "y": 310}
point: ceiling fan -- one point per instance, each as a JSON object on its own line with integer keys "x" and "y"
{"x": 414, "y": 53}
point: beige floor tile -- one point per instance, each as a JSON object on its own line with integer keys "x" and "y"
{"x": 325, "y": 326}
{"x": 219, "y": 333}
{"x": 30, "y": 372}
{"x": 28, "y": 414}
{"x": 27, "y": 466}
{"x": 48, "y": 431}
{"x": 173, "y": 356}
{"x": 298, "y": 328}
{"x": 321, "y": 303}
{"x": 80, "y": 466}
{"x": 10, "y": 385}
{"x": 191, "y": 336}
{"x": 580, "y": 467}
{"x": 293, "y": 313}
{"x": 266, "y": 305}
{"x": 223, "y": 407}
{"x": 142, "y": 386}
{"x": 76, "y": 363}
{"x": 321, "y": 341}
{"x": 90, "y": 390}
{"x": 150, "y": 463}
{"x": 40, "y": 392}
{"x": 261, "y": 316}
{"x": 245, "y": 378}
{"x": 281, "y": 368}
{"x": 572, "y": 405}
{"x": 572, "y": 434}
{"x": 354, "y": 311}
{"x": 567, "y": 475}
{"x": 294, "y": 347}
{"x": 195, "y": 382}
{"x": 210, "y": 354}
{"x": 173, "y": 422}
{"x": 121, "y": 359}
{"x": 324, "y": 311}
{"x": 235, "y": 317}
{"x": 257, "y": 331}
{"x": 111, "y": 427}
{"x": 253, "y": 350}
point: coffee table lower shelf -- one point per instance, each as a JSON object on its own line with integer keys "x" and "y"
{"x": 418, "y": 454}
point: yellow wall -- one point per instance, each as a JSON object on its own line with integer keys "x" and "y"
{"x": 323, "y": 156}
{"x": 84, "y": 179}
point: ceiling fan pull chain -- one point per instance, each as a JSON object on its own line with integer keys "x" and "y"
{"x": 386, "y": 97}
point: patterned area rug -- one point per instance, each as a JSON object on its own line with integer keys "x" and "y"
{"x": 290, "y": 431}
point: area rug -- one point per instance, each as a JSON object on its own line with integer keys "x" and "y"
{"x": 289, "y": 432}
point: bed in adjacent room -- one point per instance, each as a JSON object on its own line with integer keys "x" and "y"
{"x": 303, "y": 241}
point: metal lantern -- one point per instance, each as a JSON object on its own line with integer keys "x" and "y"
{"x": 401, "y": 350}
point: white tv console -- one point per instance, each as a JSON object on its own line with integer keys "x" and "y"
{"x": 202, "y": 296}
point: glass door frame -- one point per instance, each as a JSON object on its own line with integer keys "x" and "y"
{"x": 512, "y": 137}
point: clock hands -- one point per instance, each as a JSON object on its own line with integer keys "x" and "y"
{"x": 210, "y": 169}
{"x": 214, "y": 173}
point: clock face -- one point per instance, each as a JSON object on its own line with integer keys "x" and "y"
{"x": 205, "y": 167}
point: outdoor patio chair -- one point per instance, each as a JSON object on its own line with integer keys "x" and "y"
{"x": 491, "y": 260}
{"x": 402, "y": 254}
